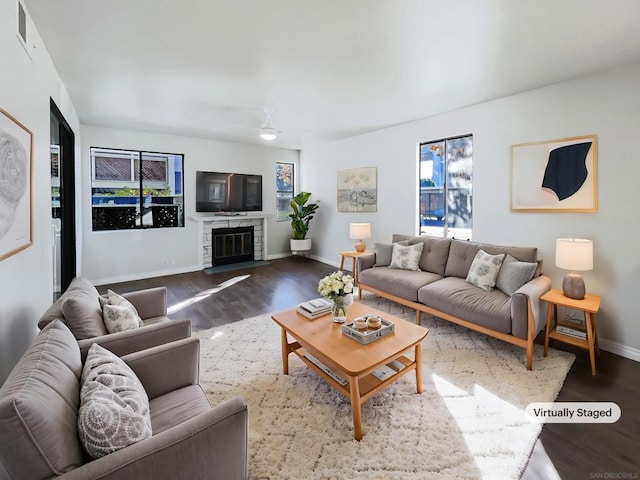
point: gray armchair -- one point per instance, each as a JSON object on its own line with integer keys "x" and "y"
{"x": 80, "y": 310}
{"x": 39, "y": 404}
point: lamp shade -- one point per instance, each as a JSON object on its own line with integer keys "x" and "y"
{"x": 574, "y": 254}
{"x": 359, "y": 231}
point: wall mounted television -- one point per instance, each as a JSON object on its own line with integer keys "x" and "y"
{"x": 228, "y": 192}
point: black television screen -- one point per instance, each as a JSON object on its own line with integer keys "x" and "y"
{"x": 228, "y": 192}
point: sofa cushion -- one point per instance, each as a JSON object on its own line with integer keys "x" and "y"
{"x": 383, "y": 253}
{"x": 54, "y": 311}
{"x": 462, "y": 253}
{"x": 459, "y": 298}
{"x": 434, "y": 253}
{"x": 484, "y": 270}
{"x": 177, "y": 407}
{"x": 406, "y": 257}
{"x": 38, "y": 407}
{"x": 83, "y": 314}
{"x": 114, "y": 407}
{"x": 401, "y": 283}
{"x": 514, "y": 274}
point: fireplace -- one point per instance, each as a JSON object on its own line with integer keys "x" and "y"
{"x": 232, "y": 245}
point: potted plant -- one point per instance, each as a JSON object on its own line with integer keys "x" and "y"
{"x": 300, "y": 218}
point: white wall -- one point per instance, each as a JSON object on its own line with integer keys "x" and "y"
{"x": 114, "y": 256}
{"x": 606, "y": 104}
{"x": 26, "y": 278}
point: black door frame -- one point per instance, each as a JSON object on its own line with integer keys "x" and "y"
{"x": 67, "y": 199}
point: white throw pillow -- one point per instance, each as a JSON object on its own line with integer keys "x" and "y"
{"x": 114, "y": 407}
{"x": 115, "y": 299}
{"x": 484, "y": 270}
{"x": 118, "y": 318}
{"x": 406, "y": 257}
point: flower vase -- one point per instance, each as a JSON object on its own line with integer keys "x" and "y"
{"x": 340, "y": 305}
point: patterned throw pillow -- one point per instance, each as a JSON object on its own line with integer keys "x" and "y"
{"x": 118, "y": 318}
{"x": 114, "y": 407}
{"x": 484, "y": 270}
{"x": 514, "y": 274}
{"x": 406, "y": 257}
{"x": 115, "y": 299}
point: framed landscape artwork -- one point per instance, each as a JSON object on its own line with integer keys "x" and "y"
{"x": 555, "y": 176}
{"x": 16, "y": 163}
{"x": 358, "y": 190}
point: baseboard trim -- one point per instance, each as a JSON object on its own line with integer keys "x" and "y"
{"x": 144, "y": 275}
{"x": 619, "y": 349}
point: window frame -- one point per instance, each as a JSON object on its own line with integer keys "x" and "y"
{"x": 291, "y": 194}
{"x": 447, "y": 230}
{"x": 139, "y": 184}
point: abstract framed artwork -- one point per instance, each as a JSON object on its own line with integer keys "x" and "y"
{"x": 555, "y": 176}
{"x": 358, "y": 190}
{"x": 16, "y": 165}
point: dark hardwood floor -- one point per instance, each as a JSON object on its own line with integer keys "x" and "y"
{"x": 575, "y": 451}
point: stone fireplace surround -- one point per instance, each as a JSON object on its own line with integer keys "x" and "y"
{"x": 210, "y": 222}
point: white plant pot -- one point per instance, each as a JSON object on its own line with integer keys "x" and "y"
{"x": 300, "y": 245}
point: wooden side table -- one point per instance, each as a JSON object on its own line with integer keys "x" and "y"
{"x": 353, "y": 256}
{"x": 589, "y": 305}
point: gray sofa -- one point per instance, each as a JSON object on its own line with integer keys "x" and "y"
{"x": 39, "y": 405}
{"x": 80, "y": 310}
{"x": 440, "y": 288}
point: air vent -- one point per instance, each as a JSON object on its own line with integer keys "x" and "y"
{"x": 22, "y": 32}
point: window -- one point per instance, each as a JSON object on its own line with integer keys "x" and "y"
{"x": 133, "y": 189}
{"x": 284, "y": 190}
{"x": 446, "y": 187}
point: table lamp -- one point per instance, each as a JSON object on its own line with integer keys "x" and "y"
{"x": 358, "y": 231}
{"x": 575, "y": 254}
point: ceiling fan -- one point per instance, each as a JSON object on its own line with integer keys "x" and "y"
{"x": 268, "y": 131}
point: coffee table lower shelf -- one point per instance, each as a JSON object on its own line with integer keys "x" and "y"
{"x": 369, "y": 384}
{"x": 358, "y": 389}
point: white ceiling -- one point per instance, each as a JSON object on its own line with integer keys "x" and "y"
{"x": 330, "y": 68}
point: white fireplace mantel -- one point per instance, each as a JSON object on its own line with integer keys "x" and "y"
{"x": 207, "y": 221}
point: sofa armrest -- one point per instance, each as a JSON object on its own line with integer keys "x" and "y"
{"x": 167, "y": 367}
{"x": 149, "y": 303}
{"x": 129, "y": 341}
{"x": 210, "y": 445}
{"x": 365, "y": 261}
{"x": 530, "y": 292}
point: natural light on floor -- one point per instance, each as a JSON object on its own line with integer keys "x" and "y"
{"x": 206, "y": 293}
{"x": 490, "y": 426}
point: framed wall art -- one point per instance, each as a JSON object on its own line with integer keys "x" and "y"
{"x": 555, "y": 176}
{"x": 16, "y": 164}
{"x": 358, "y": 190}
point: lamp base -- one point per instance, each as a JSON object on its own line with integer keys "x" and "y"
{"x": 573, "y": 286}
{"x": 360, "y": 246}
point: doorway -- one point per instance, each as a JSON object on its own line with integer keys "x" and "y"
{"x": 63, "y": 209}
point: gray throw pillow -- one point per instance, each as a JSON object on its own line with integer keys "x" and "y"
{"x": 384, "y": 251}
{"x": 114, "y": 407}
{"x": 406, "y": 257}
{"x": 514, "y": 274}
{"x": 83, "y": 315}
{"x": 484, "y": 270}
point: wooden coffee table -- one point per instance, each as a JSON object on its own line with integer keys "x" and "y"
{"x": 347, "y": 365}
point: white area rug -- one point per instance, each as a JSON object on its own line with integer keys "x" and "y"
{"x": 467, "y": 424}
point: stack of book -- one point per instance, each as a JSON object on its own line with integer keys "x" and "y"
{"x": 315, "y": 308}
{"x": 571, "y": 332}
